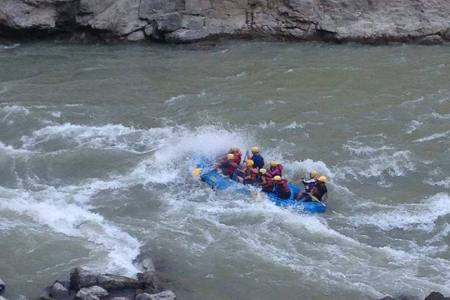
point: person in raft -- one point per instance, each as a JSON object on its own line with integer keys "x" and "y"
{"x": 276, "y": 169}
{"x": 309, "y": 184}
{"x": 265, "y": 181}
{"x": 249, "y": 173}
{"x": 320, "y": 190}
{"x": 237, "y": 155}
{"x": 257, "y": 157}
{"x": 282, "y": 189}
{"x": 228, "y": 165}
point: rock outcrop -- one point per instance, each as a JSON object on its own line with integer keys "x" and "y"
{"x": 2, "y": 286}
{"x": 422, "y": 21}
{"x": 87, "y": 285}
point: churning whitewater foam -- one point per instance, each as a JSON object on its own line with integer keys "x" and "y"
{"x": 421, "y": 215}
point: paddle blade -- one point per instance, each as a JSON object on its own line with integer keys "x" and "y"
{"x": 196, "y": 172}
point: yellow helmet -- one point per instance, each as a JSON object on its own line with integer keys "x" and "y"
{"x": 230, "y": 156}
{"x": 313, "y": 174}
{"x": 255, "y": 149}
{"x": 274, "y": 163}
{"x": 322, "y": 179}
{"x": 262, "y": 171}
{"x": 277, "y": 178}
{"x": 250, "y": 163}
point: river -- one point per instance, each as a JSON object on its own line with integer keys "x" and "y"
{"x": 96, "y": 144}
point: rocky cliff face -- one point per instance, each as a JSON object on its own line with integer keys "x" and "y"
{"x": 425, "y": 21}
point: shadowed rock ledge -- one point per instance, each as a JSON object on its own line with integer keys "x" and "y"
{"x": 371, "y": 21}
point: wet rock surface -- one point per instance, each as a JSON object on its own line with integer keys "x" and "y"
{"x": 2, "y": 286}
{"x": 421, "y": 21}
{"x": 88, "y": 285}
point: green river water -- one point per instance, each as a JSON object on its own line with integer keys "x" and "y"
{"x": 96, "y": 147}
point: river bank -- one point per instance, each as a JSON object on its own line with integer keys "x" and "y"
{"x": 181, "y": 21}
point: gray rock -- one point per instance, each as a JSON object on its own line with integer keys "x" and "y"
{"x": 435, "y": 296}
{"x": 149, "y": 281}
{"x": 2, "y": 286}
{"x": 1, "y": 298}
{"x": 120, "y": 298}
{"x": 116, "y": 282}
{"x": 149, "y": 30}
{"x": 136, "y": 36}
{"x": 120, "y": 18}
{"x": 151, "y": 8}
{"x": 186, "y": 35}
{"x": 58, "y": 291}
{"x": 168, "y": 22}
{"x": 431, "y": 40}
{"x": 80, "y": 278}
{"x": 91, "y": 293}
{"x": 166, "y": 295}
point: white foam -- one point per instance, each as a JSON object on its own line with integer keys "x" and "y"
{"x": 174, "y": 99}
{"x": 413, "y": 126}
{"x": 392, "y": 164}
{"x": 443, "y": 182}
{"x": 53, "y": 208}
{"x": 433, "y": 137}
{"x": 293, "y": 125}
{"x": 409, "y": 216}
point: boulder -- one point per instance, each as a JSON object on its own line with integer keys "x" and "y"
{"x": 91, "y": 293}
{"x": 2, "y": 286}
{"x": 186, "y": 35}
{"x": 149, "y": 9}
{"x": 81, "y": 278}
{"x": 120, "y": 18}
{"x": 168, "y": 22}
{"x": 149, "y": 281}
{"x": 136, "y": 36}
{"x": 58, "y": 291}
{"x": 117, "y": 282}
{"x": 166, "y": 295}
{"x": 20, "y": 15}
{"x": 435, "y": 296}
{"x": 431, "y": 40}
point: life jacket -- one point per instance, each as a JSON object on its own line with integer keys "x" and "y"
{"x": 309, "y": 184}
{"x": 237, "y": 156}
{"x": 319, "y": 190}
{"x": 258, "y": 160}
{"x": 267, "y": 183}
{"x": 228, "y": 167}
{"x": 282, "y": 189}
{"x": 275, "y": 171}
{"x": 252, "y": 173}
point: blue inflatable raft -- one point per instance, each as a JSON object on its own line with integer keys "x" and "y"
{"x": 218, "y": 182}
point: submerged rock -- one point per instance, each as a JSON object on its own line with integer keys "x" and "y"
{"x": 58, "y": 291}
{"x": 2, "y": 286}
{"x": 92, "y": 293}
{"x": 81, "y": 278}
{"x": 165, "y": 295}
{"x": 436, "y": 296}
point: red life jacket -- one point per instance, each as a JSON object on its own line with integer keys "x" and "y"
{"x": 282, "y": 189}
{"x": 267, "y": 185}
{"x": 228, "y": 167}
{"x": 275, "y": 171}
{"x": 237, "y": 156}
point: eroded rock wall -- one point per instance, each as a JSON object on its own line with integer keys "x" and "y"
{"x": 191, "y": 20}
